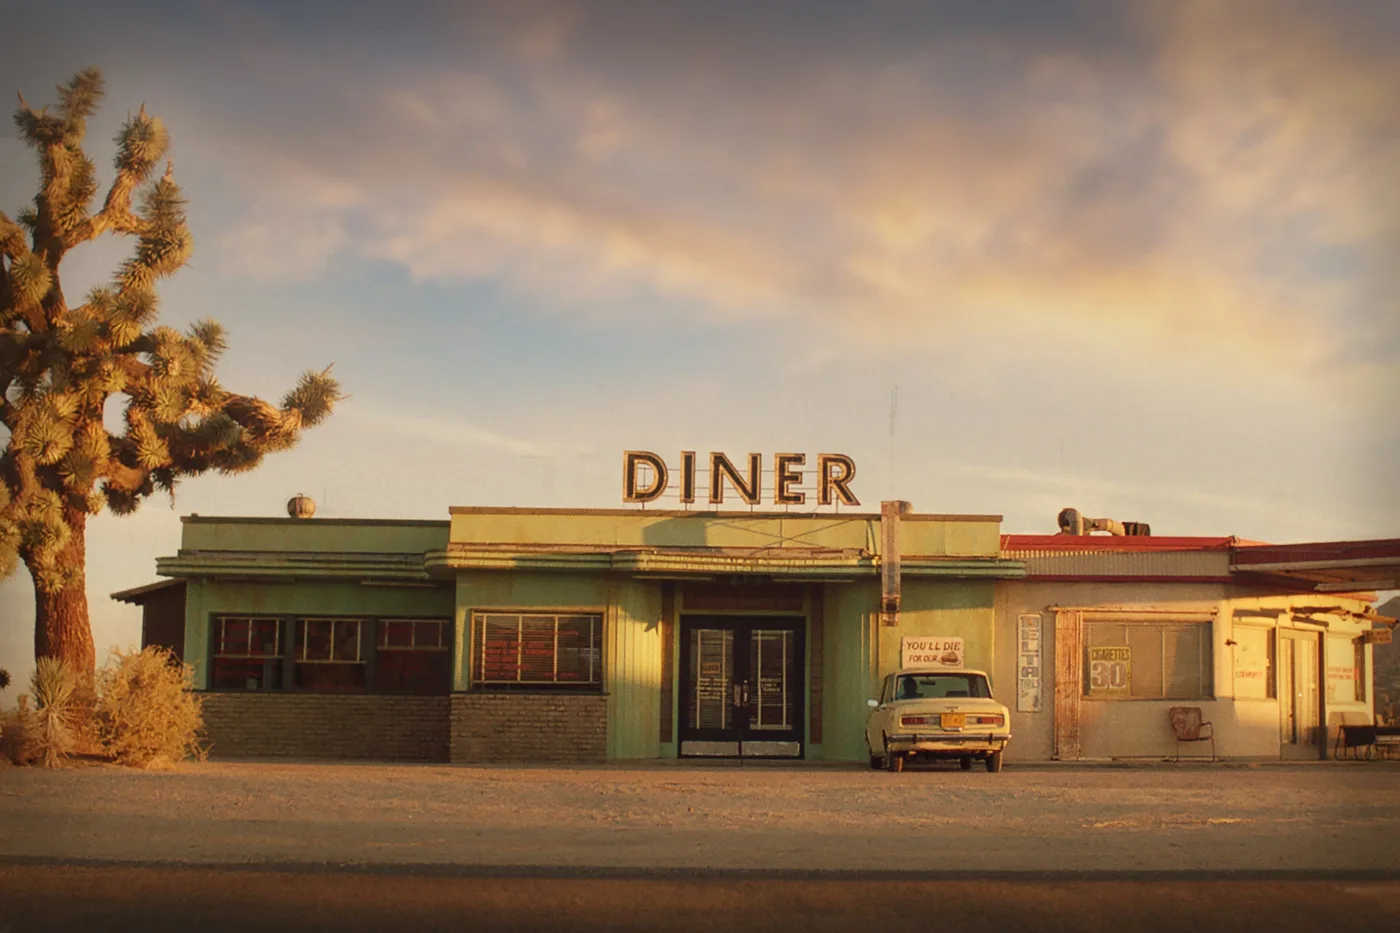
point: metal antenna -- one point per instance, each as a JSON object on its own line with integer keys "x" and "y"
{"x": 894, "y": 410}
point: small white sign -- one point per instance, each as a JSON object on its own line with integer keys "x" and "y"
{"x": 926, "y": 653}
{"x": 1028, "y": 661}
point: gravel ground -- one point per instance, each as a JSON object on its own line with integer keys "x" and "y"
{"x": 1327, "y": 817}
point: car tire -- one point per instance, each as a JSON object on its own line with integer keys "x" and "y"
{"x": 965, "y": 762}
{"x": 994, "y": 762}
{"x": 876, "y": 763}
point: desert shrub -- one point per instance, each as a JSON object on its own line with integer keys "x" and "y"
{"x": 52, "y": 727}
{"x": 147, "y": 713}
{"x": 4, "y": 678}
{"x": 16, "y": 745}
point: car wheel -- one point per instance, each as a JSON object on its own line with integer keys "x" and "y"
{"x": 876, "y": 762}
{"x": 965, "y": 762}
{"x": 994, "y": 762}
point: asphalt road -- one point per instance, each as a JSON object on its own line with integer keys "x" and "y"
{"x": 280, "y": 846}
{"x": 154, "y": 899}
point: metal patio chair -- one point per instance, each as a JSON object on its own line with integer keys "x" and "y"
{"x": 1188, "y": 725}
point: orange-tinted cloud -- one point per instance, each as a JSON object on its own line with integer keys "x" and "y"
{"x": 1202, "y": 176}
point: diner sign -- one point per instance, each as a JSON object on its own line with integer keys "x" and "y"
{"x": 646, "y": 478}
{"x": 918, "y": 652}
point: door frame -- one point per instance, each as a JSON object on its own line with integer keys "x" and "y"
{"x": 1315, "y": 746}
{"x": 743, "y": 624}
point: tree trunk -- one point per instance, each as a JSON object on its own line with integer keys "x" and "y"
{"x": 61, "y": 626}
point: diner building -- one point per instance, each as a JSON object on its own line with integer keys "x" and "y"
{"x": 518, "y": 635}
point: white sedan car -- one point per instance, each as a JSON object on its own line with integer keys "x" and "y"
{"x": 937, "y": 714}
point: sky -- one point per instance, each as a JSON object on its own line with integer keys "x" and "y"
{"x": 1141, "y": 259}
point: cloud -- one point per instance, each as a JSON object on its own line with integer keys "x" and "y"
{"x": 444, "y": 429}
{"x": 1209, "y": 178}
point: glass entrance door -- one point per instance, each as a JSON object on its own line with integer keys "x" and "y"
{"x": 742, "y": 687}
{"x": 1299, "y": 696}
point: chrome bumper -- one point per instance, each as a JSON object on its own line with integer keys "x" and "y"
{"x": 948, "y": 742}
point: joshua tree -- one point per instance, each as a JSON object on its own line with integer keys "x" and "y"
{"x": 59, "y": 365}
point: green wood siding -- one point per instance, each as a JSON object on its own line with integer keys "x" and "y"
{"x": 860, "y": 651}
{"x": 308, "y": 597}
{"x": 631, "y": 641}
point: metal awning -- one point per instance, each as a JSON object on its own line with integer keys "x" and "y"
{"x": 1323, "y": 567}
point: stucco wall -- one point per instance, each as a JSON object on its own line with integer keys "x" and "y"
{"x": 1244, "y": 727}
{"x": 950, "y": 536}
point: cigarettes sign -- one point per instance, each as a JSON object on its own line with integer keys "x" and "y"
{"x": 1110, "y": 672}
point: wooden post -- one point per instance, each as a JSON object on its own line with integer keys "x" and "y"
{"x": 1068, "y": 632}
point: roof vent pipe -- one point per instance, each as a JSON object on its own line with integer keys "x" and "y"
{"x": 1072, "y": 523}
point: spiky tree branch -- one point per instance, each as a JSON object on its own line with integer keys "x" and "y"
{"x": 60, "y": 365}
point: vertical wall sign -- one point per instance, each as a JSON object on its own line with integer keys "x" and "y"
{"x": 1028, "y": 661}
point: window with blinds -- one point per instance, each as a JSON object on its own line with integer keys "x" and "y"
{"x": 537, "y": 651}
{"x": 1164, "y": 660}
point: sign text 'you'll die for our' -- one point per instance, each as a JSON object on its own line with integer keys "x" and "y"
{"x": 645, "y": 478}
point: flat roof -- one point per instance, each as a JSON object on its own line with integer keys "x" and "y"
{"x": 196, "y": 518}
{"x": 714, "y": 513}
{"x": 1058, "y": 542}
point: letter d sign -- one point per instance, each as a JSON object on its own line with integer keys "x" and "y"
{"x": 633, "y": 463}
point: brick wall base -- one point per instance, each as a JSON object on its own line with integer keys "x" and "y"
{"x": 264, "y": 725}
{"x": 508, "y": 727}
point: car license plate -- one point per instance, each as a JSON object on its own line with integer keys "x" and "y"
{"x": 953, "y": 720}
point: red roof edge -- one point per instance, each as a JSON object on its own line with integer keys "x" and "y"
{"x": 1375, "y": 549}
{"x": 1114, "y": 543}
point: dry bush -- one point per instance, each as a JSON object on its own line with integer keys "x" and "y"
{"x": 147, "y": 713}
{"x": 52, "y": 727}
{"x": 16, "y": 746}
{"x": 4, "y": 678}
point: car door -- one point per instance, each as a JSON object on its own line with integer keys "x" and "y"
{"x": 875, "y": 722}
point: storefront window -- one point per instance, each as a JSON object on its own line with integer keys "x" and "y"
{"x": 1346, "y": 670}
{"x": 328, "y": 655}
{"x": 1147, "y": 660}
{"x": 413, "y": 656}
{"x": 537, "y": 651}
{"x": 1253, "y": 662}
{"x": 247, "y": 654}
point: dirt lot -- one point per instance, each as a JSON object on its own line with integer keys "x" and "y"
{"x": 1329, "y": 817}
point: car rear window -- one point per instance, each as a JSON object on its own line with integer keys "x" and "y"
{"x": 938, "y": 686}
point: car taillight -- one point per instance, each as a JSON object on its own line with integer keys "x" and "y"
{"x": 994, "y": 720}
{"x": 914, "y": 720}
